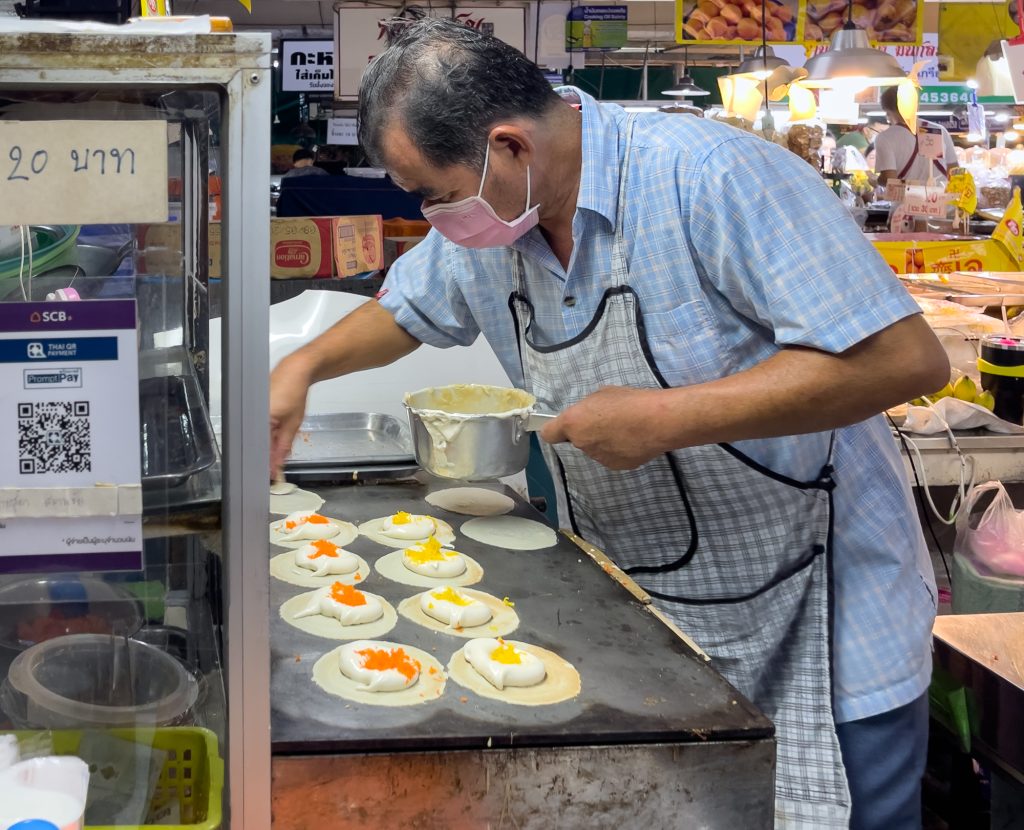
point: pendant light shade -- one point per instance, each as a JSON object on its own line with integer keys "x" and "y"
{"x": 762, "y": 63}
{"x": 686, "y": 88}
{"x": 852, "y": 59}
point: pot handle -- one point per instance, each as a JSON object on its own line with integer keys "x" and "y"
{"x": 537, "y": 420}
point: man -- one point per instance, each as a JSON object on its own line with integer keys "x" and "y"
{"x": 669, "y": 285}
{"x": 897, "y": 150}
{"x": 302, "y": 165}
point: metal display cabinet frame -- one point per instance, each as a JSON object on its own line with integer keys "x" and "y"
{"x": 237, "y": 67}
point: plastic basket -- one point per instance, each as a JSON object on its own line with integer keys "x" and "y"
{"x": 193, "y": 774}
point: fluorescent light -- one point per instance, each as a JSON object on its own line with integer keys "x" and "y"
{"x": 1001, "y": 118}
{"x": 974, "y": 137}
{"x": 1011, "y": 135}
{"x": 972, "y": 83}
{"x": 875, "y": 113}
{"x": 640, "y": 109}
{"x": 1018, "y": 125}
{"x": 936, "y": 113}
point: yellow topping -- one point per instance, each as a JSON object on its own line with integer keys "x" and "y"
{"x": 401, "y": 518}
{"x": 508, "y": 602}
{"x": 506, "y": 654}
{"x": 454, "y": 597}
{"x": 429, "y": 551}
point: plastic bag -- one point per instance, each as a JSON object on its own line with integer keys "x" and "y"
{"x": 996, "y": 537}
{"x": 958, "y": 414}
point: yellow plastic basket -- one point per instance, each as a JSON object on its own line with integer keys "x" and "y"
{"x": 193, "y": 774}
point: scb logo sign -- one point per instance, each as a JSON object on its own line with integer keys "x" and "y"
{"x": 49, "y": 317}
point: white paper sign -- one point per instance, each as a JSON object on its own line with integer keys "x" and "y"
{"x": 342, "y": 131}
{"x": 361, "y": 35}
{"x": 307, "y": 65}
{"x": 1015, "y": 61}
{"x": 930, "y": 145}
{"x": 69, "y": 496}
{"x": 82, "y": 172}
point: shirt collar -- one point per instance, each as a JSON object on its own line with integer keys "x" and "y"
{"x": 599, "y": 177}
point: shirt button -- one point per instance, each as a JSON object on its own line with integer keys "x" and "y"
{"x": 569, "y": 301}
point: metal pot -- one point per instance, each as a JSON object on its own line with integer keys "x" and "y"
{"x": 472, "y": 432}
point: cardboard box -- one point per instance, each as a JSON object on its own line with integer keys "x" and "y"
{"x": 160, "y": 249}
{"x": 358, "y": 244}
{"x": 395, "y": 246}
{"x": 300, "y": 247}
{"x": 941, "y": 254}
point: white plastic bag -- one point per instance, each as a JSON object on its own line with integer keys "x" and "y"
{"x": 996, "y": 537}
{"x": 958, "y": 414}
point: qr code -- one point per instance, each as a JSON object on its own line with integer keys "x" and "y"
{"x": 54, "y": 437}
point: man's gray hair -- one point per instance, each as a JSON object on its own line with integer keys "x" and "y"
{"x": 447, "y": 85}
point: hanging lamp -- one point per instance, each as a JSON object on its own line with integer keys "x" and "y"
{"x": 761, "y": 64}
{"x": 686, "y": 88}
{"x": 851, "y": 59}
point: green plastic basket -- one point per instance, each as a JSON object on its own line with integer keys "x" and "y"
{"x": 193, "y": 774}
{"x": 53, "y": 246}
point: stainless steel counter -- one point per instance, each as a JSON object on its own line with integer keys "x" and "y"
{"x": 995, "y": 457}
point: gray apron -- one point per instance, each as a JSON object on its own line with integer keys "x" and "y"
{"x": 737, "y": 554}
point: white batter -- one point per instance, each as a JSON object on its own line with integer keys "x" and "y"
{"x": 283, "y": 567}
{"x": 562, "y": 681}
{"x": 337, "y": 531}
{"x": 392, "y": 566}
{"x": 331, "y": 628}
{"x": 471, "y": 501}
{"x": 284, "y": 501}
{"x": 429, "y": 685}
{"x": 504, "y": 619}
{"x": 373, "y": 529}
{"x": 510, "y": 532}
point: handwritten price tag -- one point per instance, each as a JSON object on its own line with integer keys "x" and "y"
{"x": 82, "y": 172}
{"x": 926, "y": 201}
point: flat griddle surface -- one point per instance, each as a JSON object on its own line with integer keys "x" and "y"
{"x": 640, "y": 683}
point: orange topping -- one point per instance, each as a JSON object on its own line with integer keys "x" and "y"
{"x": 380, "y": 659}
{"x": 290, "y": 525}
{"x": 317, "y": 519}
{"x": 347, "y": 595}
{"x": 324, "y": 548}
{"x": 357, "y": 577}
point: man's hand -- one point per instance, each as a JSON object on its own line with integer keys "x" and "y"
{"x": 612, "y": 426}
{"x": 289, "y": 385}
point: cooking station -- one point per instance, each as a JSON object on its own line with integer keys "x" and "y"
{"x": 656, "y": 737}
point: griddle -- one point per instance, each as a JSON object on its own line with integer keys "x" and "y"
{"x": 640, "y": 682}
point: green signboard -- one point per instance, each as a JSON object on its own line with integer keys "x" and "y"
{"x": 596, "y": 28}
{"x": 951, "y": 94}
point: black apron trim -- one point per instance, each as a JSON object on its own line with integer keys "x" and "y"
{"x": 789, "y": 573}
{"x": 598, "y": 315}
{"x": 568, "y": 497}
{"x": 513, "y": 298}
{"x": 691, "y": 549}
{"x": 823, "y": 482}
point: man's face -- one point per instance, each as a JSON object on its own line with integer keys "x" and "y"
{"x": 504, "y": 189}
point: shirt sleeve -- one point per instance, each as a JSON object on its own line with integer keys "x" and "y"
{"x": 423, "y": 297}
{"x": 885, "y": 158}
{"x": 771, "y": 237}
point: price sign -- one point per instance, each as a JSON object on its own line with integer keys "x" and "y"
{"x": 926, "y": 201}
{"x": 82, "y": 172}
{"x": 953, "y": 94}
{"x": 930, "y": 145}
{"x": 342, "y": 131}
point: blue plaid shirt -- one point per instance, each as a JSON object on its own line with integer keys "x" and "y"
{"x": 737, "y": 248}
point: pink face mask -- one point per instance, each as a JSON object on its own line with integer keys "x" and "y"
{"x": 472, "y": 222}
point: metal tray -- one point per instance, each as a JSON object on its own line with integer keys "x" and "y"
{"x": 177, "y": 436}
{"x": 349, "y": 473}
{"x": 349, "y": 439}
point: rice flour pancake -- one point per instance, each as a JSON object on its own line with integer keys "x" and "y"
{"x": 286, "y": 501}
{"x": 471, "y": 501}
{"x": 346, "y": 532}
{"x": 561, "y": 683}
{"x": 331, "y": 628}
{"x": 430, "y": 685}
{"x": 392, "y": 566}
{"x": 373, "y": 529}
{"x": 504, "y": 619}
{"x": 283, "y": 567}
{"x": 510, "y": 532}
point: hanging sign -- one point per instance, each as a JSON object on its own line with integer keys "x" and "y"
{"x": 921, "y": 200}
{"x": 931, "y": 145}
{"x": 885, "y": 21}
{"x": 342, "y": 131}
{"x": 906, "y": 56}
{"x": 596, "y": 28}
{"x": 704, "y": 21}
{"x": 70, "y": 496}
{"x": 361, "y": 34}
{"x": 307, "y": 65}
{"x": 82, "y": 172}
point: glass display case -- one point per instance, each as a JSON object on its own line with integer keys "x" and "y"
{"x": 134, "y": 172}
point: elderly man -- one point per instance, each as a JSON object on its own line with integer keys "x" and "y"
{"x": 719, "y": 338}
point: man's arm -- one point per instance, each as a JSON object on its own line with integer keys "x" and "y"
{"x": 365, "y": 339}
{"x": 798, "y": 390}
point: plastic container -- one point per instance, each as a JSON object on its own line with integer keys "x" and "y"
{"x": 1002, "y": 373}
{"x": 39, "y": 609}
{"x": 52, "y": 246}
{"x": 92, "y": 680}
{"x": 192, "y": 777}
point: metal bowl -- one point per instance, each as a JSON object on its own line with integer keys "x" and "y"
{"x": 470, "y": 432}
